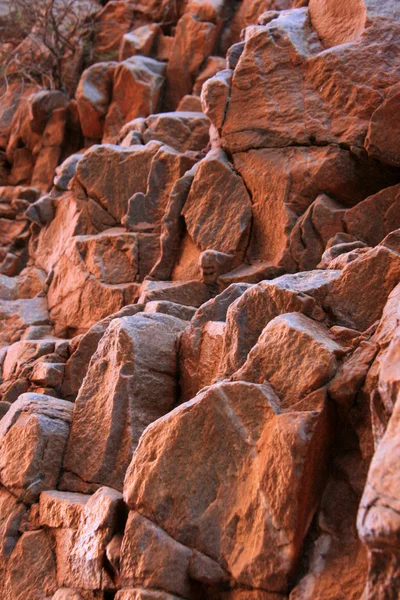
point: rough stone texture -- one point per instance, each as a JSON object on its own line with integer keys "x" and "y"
{"x": 137, "y": 86}
{"x": 295, "y": 354}
{"x": 200, "y": 303}
{"x": 231, "y": 501}
{"x": 376, "y": 273}
{"x": 136, "y": 354}
{"x": 111, "y": 175}
{"x": 33, "y": 438}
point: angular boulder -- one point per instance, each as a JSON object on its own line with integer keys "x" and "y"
{"x": 224, "y": 441}
{"x": 136, "y": 365}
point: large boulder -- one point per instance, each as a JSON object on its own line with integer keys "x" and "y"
{"x": 234, "y": 448}
{"x": 135, "y": 365}
{"x": 299, "y": 91}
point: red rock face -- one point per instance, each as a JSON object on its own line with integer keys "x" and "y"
{"x": 200, "y": 307}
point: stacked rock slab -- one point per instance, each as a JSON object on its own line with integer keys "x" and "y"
{"x": 200, "y": 307}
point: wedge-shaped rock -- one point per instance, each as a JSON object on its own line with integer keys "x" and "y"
{"x": 33, "y": 438}
{"x": 233, "y": 449}
{"x": 218, "y": 211}
{"x": 18, "y": 315}
{"x": 193, "y": 42}
{"x": 152, "y": 559}
{"x": 129, "y": 384}
{"x": 146, "y": 211}
{"x": 249, "y": 314}
{"x": 295, "y": 354}
{"x": 212, "y": 314}
{"x": 61, "y": 509}
{"x": 299, "y": 92}
{"x": 187, "y": 293}
{"x": 87, "y": 283}
{"x": 78, "y": 363}
{"x": 383, "y": 139}
{"x": 31, "y": 569}
{"x": 358, "y": 296}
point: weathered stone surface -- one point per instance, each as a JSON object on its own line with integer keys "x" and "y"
{"x": 211, "y": 314}
{"x": 90, "y": 282}
{"x": 61, "y": 509}
{"x": 17, "y": 316}
{"x": 199, "y": 246}
{"x": 81, "y": 353}
{"x": 144, "y": 594}
{"x": 295, "y": 354}
{"x": 139, "y": 41}
{"x": 137, "y": 86}
{"x": 136, "y": 363}
{"x": 181, "y": 130}
{"x": 376, "y": 273}
{"x": 110, "y": 25}
{"x": 188, "y": 293}
{"x": 249, "y": 314}
{"x": 379, "y": 143}
{"x": 93, "y": 96}
{"x": 378, "y": 517}
{"x": 33, "y": 438}
{"x": 32, "y": 568}
{"x": 194, "y": 41}
{"x": 217, "y": 190}
{"x": 81, "y": 551}
{"x": 240, "y": 422}
{"x": 145, "y": 212}
{"x": 111, "y": 175}
{"x": 152, "y": 559}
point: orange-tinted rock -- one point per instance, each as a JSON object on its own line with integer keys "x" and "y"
{"x": 110, "y": 25}
{"x": 376, "y": 273}
{"x": 295, "y": 355}
{"x": 152, "y": 559}
{"x": 81, "y": 551}
{"x": 31, "y": 568}
{"x": 33, "y": 437}
{"x": 145, "y": 211}
{"x": 216, "y": 192}
{"x": 382, "y": 141}
{"x": 212, "y": 314}
{"x": 247, "y": 316}
{"x": 137, "y": 87}
{"x": 139, "y": 41}
{"x": 284, "y": 183}
{"x": 93, "y": 96}
{"x": 180, "y": 130}
{"x": 135, "y": 354}
{"x": 286, "y": 84}
{"x": 220, "y": 433}
{"x": 194, "y": 41}
{"x": 378, "y": 518}
{"x": 111, "y": 175}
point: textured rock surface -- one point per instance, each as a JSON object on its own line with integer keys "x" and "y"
{"x": 200, "y": 305}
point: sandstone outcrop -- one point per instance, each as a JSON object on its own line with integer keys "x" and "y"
{"x": 200, "y": 304}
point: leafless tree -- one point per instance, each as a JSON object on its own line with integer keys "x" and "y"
{"x": 40, "y": 38}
